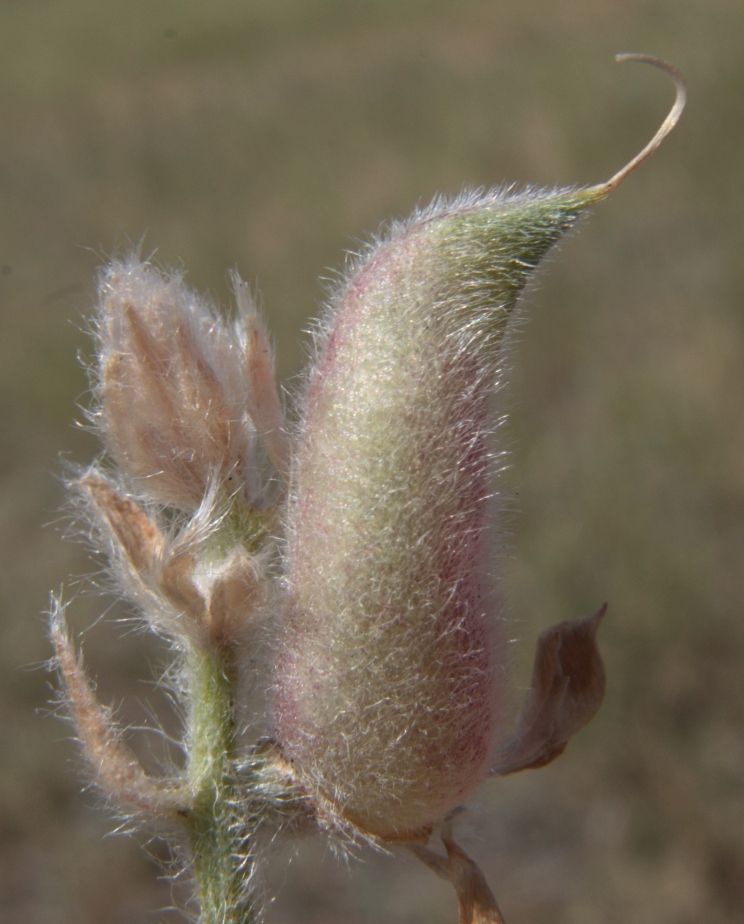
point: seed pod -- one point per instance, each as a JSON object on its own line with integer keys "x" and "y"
{"x": 391, "y": 669}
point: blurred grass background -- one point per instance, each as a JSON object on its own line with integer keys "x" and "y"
{"x": 271, "y": 136}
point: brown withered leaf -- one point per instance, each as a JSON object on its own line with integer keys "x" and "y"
{"x": 568, "y": 685}
{"x": 476, "y": 902}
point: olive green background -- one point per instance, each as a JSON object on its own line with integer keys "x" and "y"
{"x": 273, "y": 135}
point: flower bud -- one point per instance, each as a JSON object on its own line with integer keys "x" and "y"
{"x": 391, "y": 672}
{"x": 173, "y": 388}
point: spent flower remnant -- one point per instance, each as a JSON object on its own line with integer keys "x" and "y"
{"x": 181, "y": 393}
{"x": 351, "y": 558}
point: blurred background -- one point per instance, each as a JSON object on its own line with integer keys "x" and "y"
{"x": 272, "y": 136}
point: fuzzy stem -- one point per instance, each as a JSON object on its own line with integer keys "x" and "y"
{"x": 218, "y": 841}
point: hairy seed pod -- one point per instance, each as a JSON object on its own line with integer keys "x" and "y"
{"x": 392, "y": 647}
{"x": 390, "y": 674}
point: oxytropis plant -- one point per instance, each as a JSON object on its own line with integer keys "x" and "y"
{"x": 340, "y": 572}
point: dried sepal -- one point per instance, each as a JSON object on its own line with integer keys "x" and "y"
{"x": 568, "y": 684}
{"x": 118, "y": 772}
{"x": 477, "y": 904}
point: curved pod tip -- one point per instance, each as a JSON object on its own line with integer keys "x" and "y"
{"x": 673, "y": 116}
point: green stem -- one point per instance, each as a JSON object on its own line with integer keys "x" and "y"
{"x": 218, "y": 846}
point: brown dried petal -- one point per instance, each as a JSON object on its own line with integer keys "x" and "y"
{"x": 568, "y": 684}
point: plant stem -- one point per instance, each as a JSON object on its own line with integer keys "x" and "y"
{"x": 221, "y": 862}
